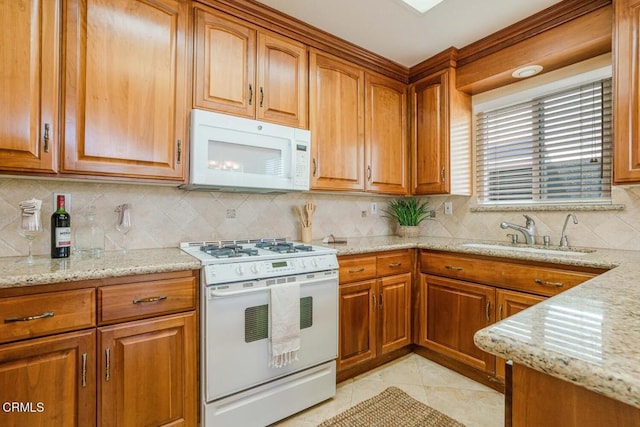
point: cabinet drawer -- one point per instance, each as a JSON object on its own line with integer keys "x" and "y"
{"x": 541, "y": 280}
{"x": 393, "y": 263}
{"x": 360, "y": 268}
{"x": 138, "y": 300}
{"x": 45, "y": 314}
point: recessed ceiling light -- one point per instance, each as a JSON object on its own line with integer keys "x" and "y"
{"x": 528, "y": 71}
{"x": 422, "y": 5}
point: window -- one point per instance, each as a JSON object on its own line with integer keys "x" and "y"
{"x": 549, "y": 150}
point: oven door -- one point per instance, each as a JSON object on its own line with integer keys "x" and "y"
{"x": 236, "y": 345}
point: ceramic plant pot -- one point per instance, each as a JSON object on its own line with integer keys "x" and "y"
{"x": 408, "y": 230}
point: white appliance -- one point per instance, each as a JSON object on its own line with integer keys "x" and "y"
{"x": 239, "y": 388}
{"x": 230, "y": 153}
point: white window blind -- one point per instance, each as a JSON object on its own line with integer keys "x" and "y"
{"x": 552, "y": 149}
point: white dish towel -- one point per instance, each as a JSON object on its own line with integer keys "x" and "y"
{"x": 284, "y": 327}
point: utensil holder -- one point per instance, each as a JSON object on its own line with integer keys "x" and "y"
{"x": 305, "y": 234}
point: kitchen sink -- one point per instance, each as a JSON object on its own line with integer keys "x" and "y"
{"x": 530, "y": 249}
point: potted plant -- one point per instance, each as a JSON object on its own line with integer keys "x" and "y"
{"x": 408, "y": 213}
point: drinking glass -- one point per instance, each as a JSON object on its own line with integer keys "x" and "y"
{"x": 30, "y": 227}
{"x": 123, "y": 222}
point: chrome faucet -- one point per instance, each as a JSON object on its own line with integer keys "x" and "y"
{"x": 563, "y": 238}
{"x": 529, "y": 230}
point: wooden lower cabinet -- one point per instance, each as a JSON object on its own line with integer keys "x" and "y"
{"x": 451, "y": 312}
{"x": 49, "y": 381}
{"x": 537, "y": 399}
{"x": 508, "y": 304}
{"x": 148, "y": 372}
{"x": 357, "y": 324}
{"x": 375, "y": 319}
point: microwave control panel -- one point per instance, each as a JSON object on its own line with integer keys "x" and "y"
{"x": 301, "y": 178}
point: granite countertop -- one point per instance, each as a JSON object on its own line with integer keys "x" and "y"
{"x": 588, "y": 335}
{"x": 15, "y": 272}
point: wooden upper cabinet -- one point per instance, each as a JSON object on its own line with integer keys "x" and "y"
{"x": 283, "y": 91}
{"x": 441, "y": 126}
{"x": 245, "y": 71}
{"x": 30, "y": 39}
{"x": 626, "y": 100}
{"x": 336, "y": 120}
{"x": 225, "y": 63}
{"x": 386, "y": 142}
{"x": 125, "y": 88}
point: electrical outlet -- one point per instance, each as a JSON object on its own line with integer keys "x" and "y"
{"x": 67, "y": 201}
{"x": 448, "y": 208}
{"x": 374, "y": 208}
{"x": 231, "y": 213}
{"x": 364, "y": 214}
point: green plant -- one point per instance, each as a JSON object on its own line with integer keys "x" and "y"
{"x": 408, "y": 211}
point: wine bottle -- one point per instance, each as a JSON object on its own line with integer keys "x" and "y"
{"x": 60, "y": 231}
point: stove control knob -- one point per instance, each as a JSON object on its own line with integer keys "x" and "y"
{"x": 302, "y": 263}
{"x": 314, "y": 262}
{"x": 255, "y": 268}
{"x": 239, "y": 270}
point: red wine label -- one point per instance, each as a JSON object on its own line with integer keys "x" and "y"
{"x": 63, "y": 237}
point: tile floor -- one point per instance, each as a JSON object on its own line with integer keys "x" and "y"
{"x": 455, "y": 395}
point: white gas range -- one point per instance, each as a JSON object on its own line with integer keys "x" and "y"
{"x": 238, "y": 385}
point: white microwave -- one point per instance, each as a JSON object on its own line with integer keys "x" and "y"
{"x": 230, "y": 153}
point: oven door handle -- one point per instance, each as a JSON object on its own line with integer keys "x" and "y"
{"x": 223, "y": 294}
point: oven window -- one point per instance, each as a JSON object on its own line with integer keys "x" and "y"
{"x": 256, "y": 319}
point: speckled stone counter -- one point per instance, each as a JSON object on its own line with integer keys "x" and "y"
{"x": 588, "y": 335}
{"x": 14, "y": 271}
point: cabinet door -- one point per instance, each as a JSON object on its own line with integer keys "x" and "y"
{"x": 431, "y": 135}
{"x": 626, "y": 107}
{"x": 336, "y": 120}
{"x": 125, "y": 88}
{"x": 282, "y": 89}
{"x": 30, "y": 40}
{"x": 509, "y": 303}
{"x": 451, "y": 312}
{"x": 357, "y": 341}
{"x": 394, "y": 307}
{"x": 53, "y": 378}
{"x": 386, "y": 143}
{"x": 225, "y": 61}
{"x": 148, "y": 372}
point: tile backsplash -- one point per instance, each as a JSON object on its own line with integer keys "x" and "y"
{"x": 164, "y": 216}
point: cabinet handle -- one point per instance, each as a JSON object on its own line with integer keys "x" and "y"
{"x": 179, "y": 151}
{"x": 374, "y": 301}
{"x": 453, "y": 267}
{"x": 84, "y": 369}
{"x": 380, "y": 300}
{"x": 442, "y": 174}
{"x": 250, "y": 94}
{"x": 315, "y": 166}
{"x": 45, "y": 138}
{"x": 547, "y": 283}
{"x": 488, "y": 313}
{"x": 28, "y": 318}
{"x": 500, "y": 312}
{"x": 107, "y": 356}
{"x": 395, "y": 264}
{"x": 360, "y": 270}
{"x": 261, "y": 96}
{"x": 150, "y": 299}
{"x": 369, "y": 173}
